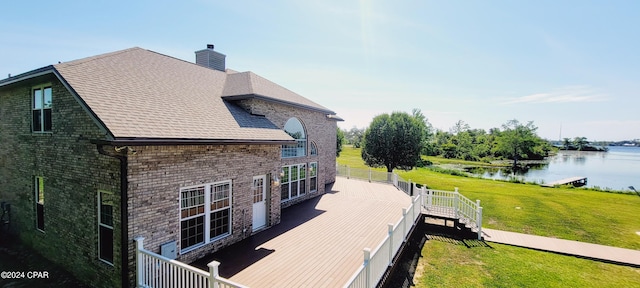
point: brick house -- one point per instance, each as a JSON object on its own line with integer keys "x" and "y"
{"x": 191, "y": 156}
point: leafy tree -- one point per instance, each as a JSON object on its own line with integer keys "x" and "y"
{"x": 339, "y": 141}
{"x": 518, "y": 141}
{"x": 566, "y": 143}
{"x": 427, "y": 134}
{"x": 393, "y": 141}
{"x": 460, "y": 126}
{"x": 580, "y": 142}
{"x": 354, "y": 136}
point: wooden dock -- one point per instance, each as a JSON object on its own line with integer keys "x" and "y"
{"x": 575, "y": 181}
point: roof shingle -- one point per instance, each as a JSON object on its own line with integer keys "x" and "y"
{"x": 139, "y": 93}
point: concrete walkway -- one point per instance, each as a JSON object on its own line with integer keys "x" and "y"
{"x": 604, "y": 253}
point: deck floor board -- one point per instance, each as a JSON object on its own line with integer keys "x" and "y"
{"x": 319, "y": 243}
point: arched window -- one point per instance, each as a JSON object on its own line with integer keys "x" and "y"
{"x": 294, "y": 128}
{"x": 314, "y": 149}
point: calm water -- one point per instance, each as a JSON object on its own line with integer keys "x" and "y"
{"x": 616, "y": 169}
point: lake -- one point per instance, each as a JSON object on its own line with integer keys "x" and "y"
{"x": 616, "y": 169}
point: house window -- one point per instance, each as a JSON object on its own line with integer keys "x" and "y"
{"x": 41, "y": 109}
{"x": 314, "y": 149}
{"x": 313, "y": 176}
{"x": 293, "y": 183}
{"x": 294, "y": 128}
{"x": 105, "y": 226}
{"x": 205, "y": 214}
{"x": 39, "y": 191}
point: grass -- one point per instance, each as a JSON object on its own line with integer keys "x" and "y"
{"x": 566, "y": 213}
{"x": 448, "y": 263}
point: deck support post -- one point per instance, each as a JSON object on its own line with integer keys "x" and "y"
{"x": 213, "y": 274}
{"x": 139, "y": 266}
{"x": 367, "y": 267}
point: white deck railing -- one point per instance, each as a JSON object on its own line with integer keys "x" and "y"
{"x": 377, "y": 261}
{"x": 156, "y": 271}
{"x": 374, "y": 176}
{"x": 364, "y": 174}
{"x": 453, "y": 205}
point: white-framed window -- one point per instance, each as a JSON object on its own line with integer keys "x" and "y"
{"x": 105, "y": 226}
{"x": 39, "y": 199}
{"x": 314, "y": 149}
{"x": 295, "y": 129}
{"x": 41, "y": 100}
{"x": 205, "y": 214}
{"x": 294, "y": 181}
{"x": 313, "y": 176}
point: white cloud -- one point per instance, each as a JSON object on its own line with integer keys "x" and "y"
{"x": 567, "y": 94}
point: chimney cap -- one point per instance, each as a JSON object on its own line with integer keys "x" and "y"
{"x": 210, "y": 46}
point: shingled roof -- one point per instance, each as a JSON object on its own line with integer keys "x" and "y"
{"x": 140, "y": 94}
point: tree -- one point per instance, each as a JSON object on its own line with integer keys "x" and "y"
{"x": 339, "y": 141}
{"x": 566, "y": 143}
{"x": 580, "y": 142}
{"x": 427, "y": 134}
{"x": 517, "y": 141}
{"x": 393, "y": 141}
{"x": 354, "y": 136}
{"x": 460, "y": 126}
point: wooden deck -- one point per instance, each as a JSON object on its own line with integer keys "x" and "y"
{"x": 575, "y": 181}
{"x": 319, "y": 242}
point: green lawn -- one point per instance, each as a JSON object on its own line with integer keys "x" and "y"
{"x": 567, "y": 213}
{"x": 448, "y": 263}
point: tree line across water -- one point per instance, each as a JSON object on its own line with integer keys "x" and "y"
{"x": 399, "y": 139}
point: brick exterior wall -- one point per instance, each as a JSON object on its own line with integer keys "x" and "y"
{"x": 319, "y": 129}
{"x": 73, "y": 172}
{"x": 156, "y": 174}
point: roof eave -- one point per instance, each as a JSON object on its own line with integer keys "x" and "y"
{"x": 27, "y": 75}
{"x": 271, "y": 99}
{"x": 186, "y": 141}
{"x": 335, "y": 117}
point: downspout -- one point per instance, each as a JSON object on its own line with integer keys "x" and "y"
{"x": 124, "y": 207}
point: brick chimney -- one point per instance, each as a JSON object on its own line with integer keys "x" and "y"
{"x": 211, "y": 59}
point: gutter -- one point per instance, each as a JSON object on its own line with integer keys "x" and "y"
{"x": 124, "y": 207}
{"x": 181, "y": 141}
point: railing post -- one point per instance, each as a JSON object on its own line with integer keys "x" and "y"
{"x": 348, "y": 172}
{"x": 413, "y": 205}
{"x": 367, "y": 267}
{"x": 213, "y": 274}
{"x": 369, "y": 174}
{"x": 404, "y": 227}
{"x": 139, "y": 266}
{"x": 390, "y": 225}
{"x": 429, "y": 198}
{"x": 479, "y": 221}
{"x": 410, "y": 188}
{"x": 456, "y": 201}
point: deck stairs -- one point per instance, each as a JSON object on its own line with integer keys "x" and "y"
{"x": 452, "y": 206}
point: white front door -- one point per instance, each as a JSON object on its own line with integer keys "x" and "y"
{"x": 259, "y": 190}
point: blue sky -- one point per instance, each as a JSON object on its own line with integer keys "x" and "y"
{"x": 570, "y": 67}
